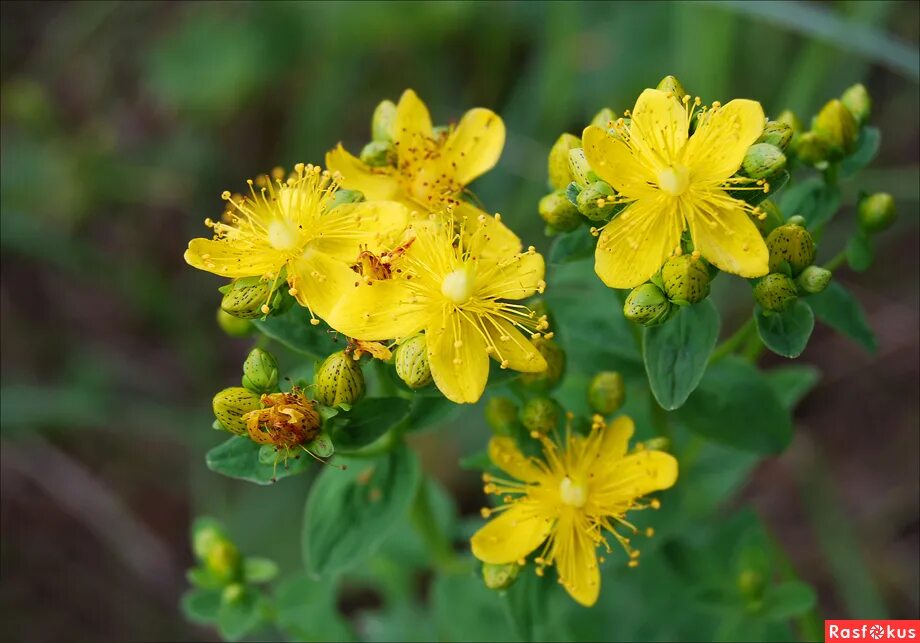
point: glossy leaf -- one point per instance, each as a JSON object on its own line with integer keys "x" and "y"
{"x": 367, "y": 421}
{"x": 293, "y": 329}
{"x": 783, "y": 601}
{"x": 839, "y": 309}
{"x": 811, "y": 199}
{"x": 571, "y": 246}
{"x": 306, "y": 611}
{"x": 236, "y": 618}
{"x": 201, "y": 605}
{"x": 866, "y": 149}
{"x": 238, "y": 458}
{"x": 792, "y": 383}
{"x": 786, "y": 333}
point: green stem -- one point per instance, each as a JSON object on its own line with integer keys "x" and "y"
{"x": 426, "y": 524}
{"x": 752, "y": 348}
{"x": 836, "y": 261}
{"x": 734, "y": 342}
{"x": 831, "y": 174}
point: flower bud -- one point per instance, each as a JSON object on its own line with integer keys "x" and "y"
{"x": 592, "y": 201}
{"x": 671, "y": 84}
{"x": 382, "y": 121}
{"x": 287, "y": 419}
{"x": 232, "y": 593}
{"x": 231, "y": 404}
{"x": 876, "y": 212}
{"x": 772, "y": 220}
{"x": 206, "y": 532}
{"x": 788, "y": 117}
{"x": 558, "y": 161}
{"x": 379, "y": 154}
{"x": 559, "y": 212}
{"x": 603, "y": 118}
{"x": 245, "y": 297}
{"x": 857, "y": 100}
{"x": 223, "y": 560}
{"x": 811, "y": 149}
{"x": 498, "y": 576}
{"x": 501, "y": 415}
{"x": 776, "y": 133}
{"x": 260, "y": 372}
{"x": 412, "y": 362}
{"x": 751, "y": 583}
{"x": 555, "y": 366}
{"x": 836, "y": 126}
{"x": 233, "y": 326}
{"x": 338, "y": 381}
{"x": 647, "y": 305}
{"x": 792, "y": 243}
{"x": 578, "y": 167}
{"x": 814, "y": 279}
{"x": 606, "y": 392}
{"x": 541, "y": 414}
{"x": 763, "y": 161}
{"x": 776, "y": 292}
{"x": 686, "y": 279}
{"x": 343, "y": 196}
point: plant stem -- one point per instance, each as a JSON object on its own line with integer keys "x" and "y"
{"x": 836, "y": 261}
{"x": 426, "y": 524}
{"x": 734, "y": 342}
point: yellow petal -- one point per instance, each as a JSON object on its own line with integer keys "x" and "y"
{"x": 383, "y": 309}
{"x": 728, "y": 238}
{"x": 659, "y": 126}
{"x": 506, "y": 456}
{"x": 374, "y": 183}
{"x": 370, "y": 225}
{"x": 412, "y": 126}
{"x": 512, "y": 535}
{"x": 511, "y": 346}
{"x": 617, "y": 164}
{"x": 635, "y": 244}
{"x": 615, "y": 438}
{"x": 634, "y": 476}
{"x": 484, "y": 235}
{"x": 517, "y": 277}
{"x": 229, "y": 260}
{"x": 576, "y": 559}
{"x": 473, "y": 148}
{"x": 458, "y": 358}
{"x": 319, "y": 281}
{"x": 718, "y": 145}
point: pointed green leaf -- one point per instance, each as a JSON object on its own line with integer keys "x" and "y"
{"x": 860, "y": 252}
{"x": 839, "y": 309}
{"x": 237, "y": 617}
{"x": 866, "y": 148}
{"x": 571, "y": 246}
{"x": 201, "y": 605}
{"x": 786, "y": 333}
{"x": 792, "y": 383}
{"x": 367, "y": 421}
{"x": 812, "y": 199}
{"x": 238, "y": 458}
{"x": 293, "y": 329}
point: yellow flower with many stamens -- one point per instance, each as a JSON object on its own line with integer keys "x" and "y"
{"x": 673, "y": 181}
{"x": 286, "y": 227}
{"x": 566, "y": 501}
{"x": 443, "y": 282}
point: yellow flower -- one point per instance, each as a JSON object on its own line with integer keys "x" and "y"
{"x": 286, "y": 227}
{"x": 673, "y": 181}
{"x": 565, "y": 502}
{"x": 443, "y": 283}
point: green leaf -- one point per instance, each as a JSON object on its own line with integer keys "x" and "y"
{"x": 238, "y": 458}
{"x": 735, "y": 405}
{"x": 306, "y": 611}
{"x": 235, "y": 618}
{"x": 293, "y": 329}
{"x": 259, "y": 570}
{"x": 782, "y": 602}
{"x": 792, "y": 383}
{"x": 786, "y": 333}
{"x": 201, "y": 605}
{"x": 478, "y": 461}
{"x": 866, "y": 148}
{"x": 839, "y": 309}
{"x": 367, "y": 421}
{"x": 430, "y": 412}
{"x": 812, "y": 199}
{"x": 571, "y": 246}
{"x": 676, "y": 353}
{"x": 860, "y": 252}
{"x": 465, "y": 610}
{"x": 349, "y": 513}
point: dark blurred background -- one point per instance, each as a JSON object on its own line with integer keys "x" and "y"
{"x": 123, "y": 122}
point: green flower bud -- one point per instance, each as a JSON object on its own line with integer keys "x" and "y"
{"x": 792, "y": 243}
{"x": 501, "y": 415}
{"x": 751, "y": 583}
{"x": 223, "y": 560}
{"x": 763, "y": 161}
{"x": 814, "y": 279}
{"x": 578, "y": 167}
{"x": 206, "y": 532}
{"x": 233, "y": 326}
{"x": 876, "y": 212}
{"x": 647, "y": 305}
{"x": 343, "y": 196}
{"x": 836, "y": 126}
{"x": 558, "y": 161}
{"x": 603, "y": 118}
{"x": 776, "y": 133}
{"x": 671, "y": 84}
{"x": 555, "y": 366}
{"x": 500, "y": 576}
{"x": 811, "y": 149}
{"x": 338, "y": 381}
{"x": 382, "y": 121}
{"x": 232, "y": 593}
{"x": 772, "y": 220}
{"x": 857, "y": 100}
{"x": 776, "y": 292}
{"x": 247, "y": 298}
{"x": 592, "y": 201}
{"x": 606, "y": 392}
{"x": 686, "y": 279}
{"x": 789, "y": 118}
{"x": 559, "y": 212}
{"x": 379, "y": 154}
{"x": 541, "y": 415}
{"x": 797, "y": 219}
{"x": 412, "y": 362}
{"x": 231, "y": 404}
{"x": 260, "y": 372}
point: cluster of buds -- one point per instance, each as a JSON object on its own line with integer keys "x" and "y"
{"x": 834, "y": 130}
{"x": 792, "y": 270}
{"x": 683, "y": 280}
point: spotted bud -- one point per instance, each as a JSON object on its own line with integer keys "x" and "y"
{"x": 814, "y": 279}
{"x": 876, "y": 212}
{"x": 339, "y": 381}
{"x": 647, "y": 305}
{"x": 791, "y": 243}
{"x": 501, "y": 415}
{"x": 811, "y": 149}
{"x": 286, "y": 420}
{"x": 540, "y": 414}
{"x": 592, "y": 201}
{"x": 233, "y": 326}
{"x": 776, "y": 133}
{"x": 559, "y": 212}
{"x": 502, "y": 576}
{"x": 412, "y": 362}
{"x": 245, "y": 298}
{"x": 836, "y": 126}
{"x": 672, "y": 85}
{"x": 558, "y": 161}
{"x": 231, "y": 404}
{"x": 686, "y": 279}
{"x": 343, "y": 197}
{"x": 606, "y": 392}
{"x": 260, "y": 372}
{"x": 857, "y": 100}
{"x": 382, "y": 121}
{"x": 603, "y": 118}
{"x": 788, "y": 117}
{"x": 579, "y": 169}
{"x": 763, "y": 161}
{"x": 379, "y": 154}
{"x": 776, "y": 292}
{"x": 555, "y": 366}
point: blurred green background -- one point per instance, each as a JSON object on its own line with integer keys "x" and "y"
{"x": 123, "y": 122}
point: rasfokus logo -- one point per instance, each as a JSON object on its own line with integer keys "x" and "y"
{"x": 858, "y": 631}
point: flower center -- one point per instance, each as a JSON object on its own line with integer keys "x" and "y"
{"x": 457, "y": 286}
{"x": 674, "y": 179}
{"x": 281, "y": 235}
{"x": 572, "y": 494}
